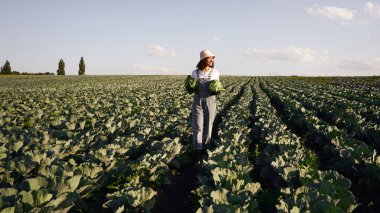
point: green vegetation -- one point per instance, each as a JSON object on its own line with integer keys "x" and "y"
{"x": 82, "y": 67}
{"x": 216, "y": 87}
{"x": 190, "y": 84}
{"x": 282, "y": 144}
{"x": 61, "y": 67}
{"x": 6, "y": 68}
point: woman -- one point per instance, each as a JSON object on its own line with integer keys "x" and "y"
{"x": 204, "y": 105}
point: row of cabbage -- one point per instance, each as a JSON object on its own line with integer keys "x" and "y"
{"x": 371, "y": 83}
{"x": 37, "y": 154}
{"x": 351, "y": 115}
{"x": 338, "y": 113}
{"x": 61, "y": 141}
{"x": 306, "y": 188}
{"x": 93, "y": 142}
{"x": 165, "y": 122}
{"x": 337, "y": 150}
{"x": 362, "y": 89}
{"x": 226, "y": 185}
{"x": 21, "y": 148}
{"x": 136, "y": 178}
{"x": 83, "y": 133}
{"x": 362, "y": 82}
{"x": 134, "y": 192}
{"x": 363, "y": 106}
{"x": 358, "y": 119}
{"x": 344, "y": 143}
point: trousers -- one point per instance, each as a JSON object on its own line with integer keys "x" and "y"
{"x": 203, "y": 115}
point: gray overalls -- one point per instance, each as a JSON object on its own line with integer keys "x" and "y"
{"x": 203, "y": 113}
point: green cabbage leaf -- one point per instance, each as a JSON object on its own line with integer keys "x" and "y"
{"x": 216, "y": 87}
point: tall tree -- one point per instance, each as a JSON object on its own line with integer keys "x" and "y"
{"x": 61, "y": 68}
{"x": 6, "y": 69}
{"x": 82, "y": 67}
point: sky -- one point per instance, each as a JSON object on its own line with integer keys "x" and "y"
{"x": 165, "y": 37}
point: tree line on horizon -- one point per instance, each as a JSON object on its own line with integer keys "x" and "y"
{"x": 7, "y": 70}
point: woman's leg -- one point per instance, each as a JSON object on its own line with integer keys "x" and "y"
{"x": 197, "y": 124}
{"x": 209, "y": 117}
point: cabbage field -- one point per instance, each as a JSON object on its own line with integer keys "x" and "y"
{"x": 123, "y": 144}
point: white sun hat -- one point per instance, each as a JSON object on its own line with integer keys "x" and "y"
{"x": 205, "y": 54}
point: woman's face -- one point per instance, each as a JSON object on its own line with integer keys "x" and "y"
{"x": 210, "y": 61}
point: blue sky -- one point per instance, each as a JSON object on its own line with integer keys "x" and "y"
{"x": 272, "y": 37}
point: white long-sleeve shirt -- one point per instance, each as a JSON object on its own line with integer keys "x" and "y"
{"x": 214, "y": 74}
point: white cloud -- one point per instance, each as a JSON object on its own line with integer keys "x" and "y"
{"x": 144, "y": 67}
{"x": 372, "y": 9}
{"x": 215, "y": 38}
{"x": 159, "y": 51}
{"x": 333, "y": 13}
{"x": 361, "y": 64}
{"x": 293, "y": 54}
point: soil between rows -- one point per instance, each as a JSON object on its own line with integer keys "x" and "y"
{"x": 174, "y": 197}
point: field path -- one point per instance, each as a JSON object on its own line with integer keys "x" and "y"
{"x": 174, "y": 197}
